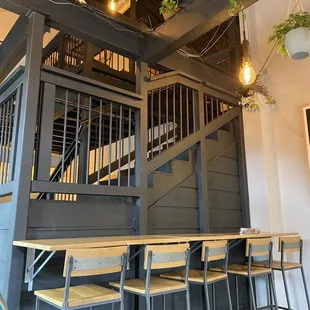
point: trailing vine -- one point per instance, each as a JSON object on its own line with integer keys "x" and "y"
{"x": 168, "y": 6}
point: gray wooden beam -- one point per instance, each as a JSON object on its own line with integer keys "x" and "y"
{"x": 83, "y": 189}
{"x": 201, "y": 171}
{"x": 13, "y": 48}
{"x": 204, "y": 72}
{"x": 243, "y": 177}
{"x": 141, "y": 147}
{"x": 84, "y": 24}
{"x": 24, "y": 154}
{"x": 196, "y": 19}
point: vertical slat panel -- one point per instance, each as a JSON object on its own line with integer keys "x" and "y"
{"x": 2, "y": 120}
{"x": 212, "y": 109}
{"x": 217, "y": 108}
{"x": 206, "y": 109}
{"x": 88, "y": 138}
{"x": 110, "y": 143}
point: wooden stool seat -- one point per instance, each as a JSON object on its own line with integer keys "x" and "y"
{"x": 243, "y": 270}
{"x": 79, "y": 295}
{"x": 277, "y": 265}
{"x": 195, "y": 276}
{"x": 157, "y": 285}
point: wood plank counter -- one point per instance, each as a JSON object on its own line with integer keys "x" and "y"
{"x": 93, "y": 242}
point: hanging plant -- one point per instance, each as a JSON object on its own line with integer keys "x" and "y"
{"x": 251, "y": 98}
{"x": 237, "y": 6}
{"x": 170, "y": 7}
{"x": 292, "y": 36}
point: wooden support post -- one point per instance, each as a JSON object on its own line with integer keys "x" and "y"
{"x": 62, "y": 51}
{"x": 24, "y": 154}
{"x": 141, "y": 148}
{"x": 201, "y": 171}
{"x": 88, "y": 59}
{"x": 244, "y": 192}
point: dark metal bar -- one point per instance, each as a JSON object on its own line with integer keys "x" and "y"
{"x": 159, "y": 120}
{"x": 120, "y": 144}
{"x": 174, "y": 137}
{"x": 88, "y": 137}
{"x": 212, "y": 110}
{"x": 64, "y": 138}
{"x": 206, "y": 105}
{"x": 4, "y": 160}
{"x": 75, "y": 180}
{"x": 181, "y": 113}
{"x": 110, "y": 143}
{"x": 167, "y": 116}
{"x": 99, "y": 142}
{"x": 217, "y": 108}
{"x": 152, "y": 123}
{"x": 194, "y": 110}
{"x": 7, "y": 160}
{"x": 187, "y": 112}
{"x": 2, "y": 112}
{"x": 129, "y": 145}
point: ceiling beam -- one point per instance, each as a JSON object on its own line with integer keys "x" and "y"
{"x": 13, "y": 48}
{"x": 84, "y": 24}
{"x": 211, "y": 75}
{"x": 196, "y": 19}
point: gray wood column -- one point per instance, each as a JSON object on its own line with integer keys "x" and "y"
{"x": 23, "y": 168}
{"x": 201, "y": 171}
{"x": 141, "y": 148}
{"x": 243, "y": 176}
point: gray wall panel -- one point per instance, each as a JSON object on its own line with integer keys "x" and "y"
{"x": 223, "y": 182}
{"x": 225, "y": 219}
{"x": 172, "y": 217}
{"x": 224, "y": 200}
{"x": 224, "y": 165}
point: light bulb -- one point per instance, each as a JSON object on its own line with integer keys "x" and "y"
{"x": 112, "y": 5}
{"x": 82, "y": 2}
{"x": 247, "y": 74}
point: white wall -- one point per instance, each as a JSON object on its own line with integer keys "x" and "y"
{"x": 276, "y": 157}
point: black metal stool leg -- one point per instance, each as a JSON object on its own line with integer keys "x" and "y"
{"x": 207, "y": 297}
{"x": 252, "y": 294}
{"x": 228, "y": 294}
{"x": 305, "y": 286}
{"x": 274, "y": 293}
{"x": 213, "y": 296}
{"x": 286, "y": 291}
{"x": 164, "y": 302}
{"x": 237, "y": 293}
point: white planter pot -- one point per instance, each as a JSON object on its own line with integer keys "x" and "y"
{"x": 297, "y": 43}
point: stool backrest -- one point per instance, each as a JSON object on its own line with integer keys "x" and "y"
{"x": 165, "y": 256}
{"x": 290, "y": 244}
{"x": 216, "y": 250}
{"x": 94, "y": 261}
{"x": 258, "y": 247}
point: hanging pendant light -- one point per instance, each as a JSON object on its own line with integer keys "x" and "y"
{"x": 247, "y": 75}
{"x": 112, "y": 5}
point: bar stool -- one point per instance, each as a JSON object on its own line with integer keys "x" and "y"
{"x": 289, "y": 245}
{"x": 87, "y": 262}
{"x": 255, "y": 248}
{"x": 160, "y": 257}
{"x": 211, "y": 251}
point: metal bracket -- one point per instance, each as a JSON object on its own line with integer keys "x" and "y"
{"x": 136, "y": 254}
{"x": 196, "y": 246}
{"x": 234, "y": 243}
{"x": 31, "y": 261}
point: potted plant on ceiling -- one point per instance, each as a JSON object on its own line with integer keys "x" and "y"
{"x": 171, "y": 7}
{"x": 292, "y": 36}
